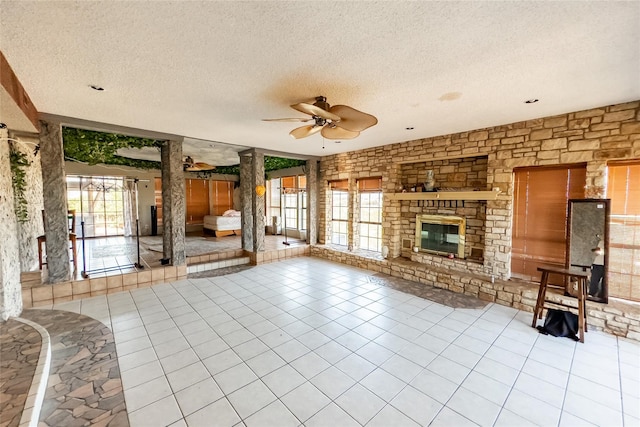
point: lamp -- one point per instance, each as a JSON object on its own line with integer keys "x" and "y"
{"x": 260, "y": 190}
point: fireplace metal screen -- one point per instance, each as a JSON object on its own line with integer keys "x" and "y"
{"x": 440, "y": 234}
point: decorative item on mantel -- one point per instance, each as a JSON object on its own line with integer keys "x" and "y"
{"x": 430, "y": 182}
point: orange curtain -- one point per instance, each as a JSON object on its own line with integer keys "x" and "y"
{"x": 342, "y": 184}
{"x": 221, "y": 197}
{"x": 197, "y": 200}
{"x": 623, "y": 188}
{"x": 369, "y": 184}
{"x": 539, "y": 230}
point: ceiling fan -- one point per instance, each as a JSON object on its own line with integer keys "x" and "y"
{"x": 191, "y": 166}
{"x": 337, "y": 122}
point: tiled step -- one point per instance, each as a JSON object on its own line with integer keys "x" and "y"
{"x": 217, "y": 256}
{"x": 213, "y": 265}
{"x": 31, "y": 278}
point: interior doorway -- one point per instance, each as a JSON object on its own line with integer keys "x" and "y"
{"x": 99, "y": 203}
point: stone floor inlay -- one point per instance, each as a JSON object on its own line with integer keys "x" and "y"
{"x": 84, "y": 385}
{"x": 441, "y": 296}
{"x": 219, "y": 271}
{"x": 19, "y": 352}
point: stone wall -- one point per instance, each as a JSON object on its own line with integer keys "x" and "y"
{"x": 29, "y": 231}
{"x": 593, "y": 137}
{"x": 10, "y": 295}
{"x": 466, "y": 174}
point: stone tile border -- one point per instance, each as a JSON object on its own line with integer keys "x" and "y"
{"x": 620, "y": 318}
{"x": 278, "y": 254}
{"x": 33, "y": 404}
{"x": 46, "y": 294}
{"x": 35, "y": 294}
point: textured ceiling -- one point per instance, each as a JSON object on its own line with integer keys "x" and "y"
{"x": 212, "y": 70}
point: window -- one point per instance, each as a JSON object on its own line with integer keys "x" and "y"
{"x": 290, "y": 201}
{"x": 302, "y": 201}
{"x": 99, "y": 202}
{"x": 293, "y": 201}
{"x": 370, "y": 236}
{"x": 274, "y": 198}
{"x": 623, "y": 189}
{"x": 339, "y": 212}
{"x": 303, "y": 210}
{"x": 541, "y": 196}
{"x": 158, "y": 198}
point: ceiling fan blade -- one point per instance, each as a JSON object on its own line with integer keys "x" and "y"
{"x": 291, "y": 119}
{"x": 204, "y": 166}
{"x": 304, "y": 131}
{"x": 338, "y": 133}
{"x": 315, "y": 111}
{"x": 352, "y": 119}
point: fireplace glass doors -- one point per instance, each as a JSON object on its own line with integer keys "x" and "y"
{"x": 441, "y": 234}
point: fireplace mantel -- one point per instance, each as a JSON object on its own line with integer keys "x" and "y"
{"x": 446, "y": 195}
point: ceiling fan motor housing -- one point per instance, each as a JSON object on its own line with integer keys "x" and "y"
{"x": 321, "y": 102}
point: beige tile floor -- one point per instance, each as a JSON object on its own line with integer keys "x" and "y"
{"x": 310, "y": 342}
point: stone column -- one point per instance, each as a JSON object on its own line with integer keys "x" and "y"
{"x": 312, "y": 202}
{"x": 246, "y": 201}
{"x": 173, "y": 203}
{"x": 29, "y": 230}
{"x": 257, "y": 178}
{"x": 391, "y": 212}
{"x": 10, "y": 290}
{"x": 54, "y": 187}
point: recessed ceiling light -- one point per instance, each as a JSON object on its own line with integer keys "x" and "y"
{"x": 531, "y": 101}
{"x": 409, "y": 128}
{"x": 96, "y": 87}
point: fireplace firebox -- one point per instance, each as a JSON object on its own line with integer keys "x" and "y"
{"x": 440, "y": 234}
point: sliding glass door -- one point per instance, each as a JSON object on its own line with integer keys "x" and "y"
{"x": 99, "y": 202}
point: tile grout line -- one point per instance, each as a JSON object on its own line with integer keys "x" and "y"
{"x": 620, "y": 381}
{"x": 31, "y": 416}
{"x": 515, "y": 380}
{"x": 459, "y": 386}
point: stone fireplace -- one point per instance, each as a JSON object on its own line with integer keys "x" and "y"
{"x": 440, "y": 234}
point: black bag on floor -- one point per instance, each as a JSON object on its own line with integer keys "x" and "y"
{"x": 560, "y": 323}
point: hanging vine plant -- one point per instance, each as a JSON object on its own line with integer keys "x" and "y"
{"x": 94, "y": 147}
{"x": 18, "y": 161}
